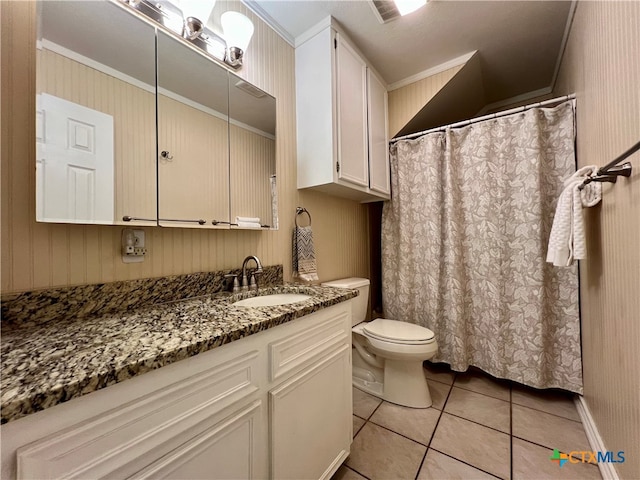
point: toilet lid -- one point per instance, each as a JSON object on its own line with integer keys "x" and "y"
{"x": 398, "y": 332}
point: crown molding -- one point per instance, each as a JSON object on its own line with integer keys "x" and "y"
{"x": 269, "y": 20}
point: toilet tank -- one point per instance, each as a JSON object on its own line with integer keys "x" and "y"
{"x": 360, "y": 302}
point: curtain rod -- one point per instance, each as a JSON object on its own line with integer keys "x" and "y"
{"x": 464, "y": 123}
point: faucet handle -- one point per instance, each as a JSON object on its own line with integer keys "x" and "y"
{"x": 236, "y": 284}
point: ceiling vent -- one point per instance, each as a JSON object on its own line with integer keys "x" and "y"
{"x": 385, "y": 10}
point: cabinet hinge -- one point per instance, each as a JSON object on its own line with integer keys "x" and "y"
{"x": 335, "y": 43}
{"x": 338, "y": 167}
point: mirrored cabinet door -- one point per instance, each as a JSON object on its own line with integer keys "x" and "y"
{"x": 252, "y": 152}
{"x": 96, "y": 132}
{"x": 193, "y": 137}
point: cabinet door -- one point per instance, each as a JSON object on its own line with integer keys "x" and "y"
{"x": 310, "y": 420}
{"x": 226, "y": 450}
{"x": 351, "y": 78}
{"x": 378, "y": 145}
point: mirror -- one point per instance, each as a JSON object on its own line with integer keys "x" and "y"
{"x": 95, "y": 121}
{"x": 193, "y": 137}
{"x": 134, "y": 122}
{"x": 252, "y": 154}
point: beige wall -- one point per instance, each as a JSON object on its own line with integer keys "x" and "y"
{"x": 406, "y": 101}
{"x": 46, "y": 255}
{"x": 602, "y": 66}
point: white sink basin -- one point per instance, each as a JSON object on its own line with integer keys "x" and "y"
{"x": 271, "y": 300}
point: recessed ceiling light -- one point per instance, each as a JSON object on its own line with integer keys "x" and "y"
{"x": 408, "y": 6}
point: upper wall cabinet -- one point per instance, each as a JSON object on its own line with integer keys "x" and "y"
{"x": 341, "y": 119}
{"x": 96, "y": 115}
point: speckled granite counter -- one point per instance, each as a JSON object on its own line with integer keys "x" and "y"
{"x": 44, "y": 364}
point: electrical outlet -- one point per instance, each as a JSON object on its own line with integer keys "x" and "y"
{"x": 133, "y": 249}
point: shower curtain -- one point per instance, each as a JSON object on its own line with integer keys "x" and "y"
{"x": 464, "y": 243}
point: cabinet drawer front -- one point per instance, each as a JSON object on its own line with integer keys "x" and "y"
{"x": 297, "y": 351}
{"x": 122, "y": 441}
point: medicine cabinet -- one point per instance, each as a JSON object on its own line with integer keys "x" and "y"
{"x": 135, "y": 125}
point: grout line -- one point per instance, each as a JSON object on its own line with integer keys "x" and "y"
{"x": 397, "y": 433}
{"x": 480, "y": 393}
{"x": 444, "y": 404}
{"x": 477, "y": 423}
{"x": 438, "y": 381}
{"x": 354, "y": 470}
{"x": 549, "y": 413}
{"x": 466, "y": 463}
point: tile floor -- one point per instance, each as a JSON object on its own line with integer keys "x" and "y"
{"x": 478, "y": 428}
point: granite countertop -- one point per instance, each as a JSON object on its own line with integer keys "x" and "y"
{"x": 51, "y": 363}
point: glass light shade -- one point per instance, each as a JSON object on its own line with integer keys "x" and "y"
{"x": 408, "y": 6}
{"x": 237, "y": 29}
{"x": 200, "y": 9}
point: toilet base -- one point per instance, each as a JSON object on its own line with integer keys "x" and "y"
{"x": 404, "y": 383}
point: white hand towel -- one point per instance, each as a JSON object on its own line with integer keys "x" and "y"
{"x": 248, "y": 224}
{"x": 566, "y": 242}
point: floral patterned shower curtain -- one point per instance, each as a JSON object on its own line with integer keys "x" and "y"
{"x": 464, "y": 244}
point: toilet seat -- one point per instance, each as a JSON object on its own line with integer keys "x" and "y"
{"x": 401, "y": 333}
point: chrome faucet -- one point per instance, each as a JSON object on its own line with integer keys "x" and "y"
{"x": 244, "y": 284}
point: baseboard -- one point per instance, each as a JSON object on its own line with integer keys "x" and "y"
{"x": 607, "y": 470}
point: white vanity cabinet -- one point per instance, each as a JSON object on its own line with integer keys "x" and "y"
{"x": 341, "y": 118}
{"x": 276, "y": 404}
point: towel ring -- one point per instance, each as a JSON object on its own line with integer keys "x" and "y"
{"x": 300, "y": 211}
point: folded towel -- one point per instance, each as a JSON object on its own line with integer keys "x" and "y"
{"x": 248, "y": 220}
{"x": 304, "y": 255}
{"x": 248, "y": 224}
{"x": 566, "y": 242}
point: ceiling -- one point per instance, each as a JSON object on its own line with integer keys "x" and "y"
{"x": 518, "y": 42}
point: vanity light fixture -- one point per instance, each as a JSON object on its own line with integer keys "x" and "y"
{"x": 407, "y": 6}
{"x": 189, "y": 18}
{"x": 238, "y": 31}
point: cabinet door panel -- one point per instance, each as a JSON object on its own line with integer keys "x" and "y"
{"x": 352, "y": 114}
{"x": 225, "y": 451}
{"x": 378, "y": 146}
{"x": 310, "y": 420}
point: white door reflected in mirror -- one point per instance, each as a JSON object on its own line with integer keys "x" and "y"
{"x": 74, "y": 163}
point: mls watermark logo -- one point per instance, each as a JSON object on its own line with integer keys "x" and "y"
{"x": 586, "y": 457}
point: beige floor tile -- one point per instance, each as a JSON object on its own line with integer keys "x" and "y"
{"x": 550, "y": 401}
{"x": 357, "y": 424}
{"x": 437, "y": 466}
{"x": 345, "y": 473}
{"x": 439, "y": 392}
{"x": 532, "y": 462}
{"x": 439, "y": 372}
{"x": 416, "y": 423}
{"x": 474, "y": 444}
{"x": 483, "y": 383}
{"x": 364, "y": 404}
{"x": 378, "y": 453}
{"x": 548, "y": 430}
{"x": 480, "y": 408}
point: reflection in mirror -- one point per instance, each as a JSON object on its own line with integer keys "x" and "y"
{"x": 252, "y": 155}
{"x": 95, "y": 130}
{"x": 193, "y": 141}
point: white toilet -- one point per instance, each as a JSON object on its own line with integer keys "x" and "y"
{"x": 388, "y": 354}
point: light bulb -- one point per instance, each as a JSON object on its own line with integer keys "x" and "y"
{"x": 237, "y": 29}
